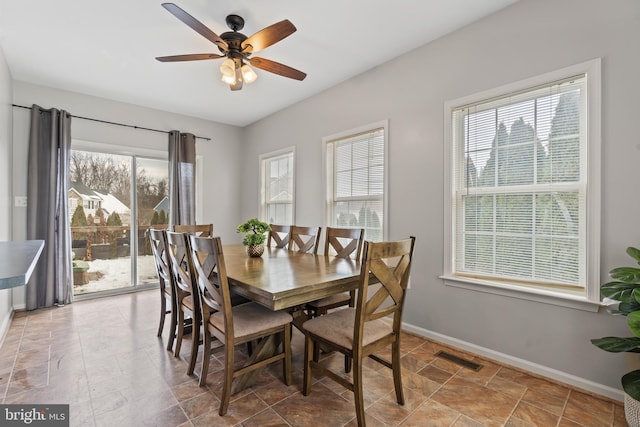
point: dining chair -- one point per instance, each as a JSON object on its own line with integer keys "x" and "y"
{"x": 187, "y": 300}
{"x": 374, "y": 323}
{"x": 200, "y": 230}
{"x": 158, "y": 240}
{"x": 341, "y": 243}
{"x": 228, "y": 326}
{"x": 278, "y": 235}
{"x": 304, "y": 239}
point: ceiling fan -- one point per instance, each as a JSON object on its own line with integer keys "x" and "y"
{"x": 237, "y": 48}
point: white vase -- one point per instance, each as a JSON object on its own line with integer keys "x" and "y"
{"x": 632, "y": 411}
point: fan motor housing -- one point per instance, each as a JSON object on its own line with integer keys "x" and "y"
{"x": 234, "y": 41}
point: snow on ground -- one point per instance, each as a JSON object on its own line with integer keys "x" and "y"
{"x": 107, "y": 274}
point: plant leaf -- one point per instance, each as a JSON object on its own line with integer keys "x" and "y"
{"x": 617, "y": 344}
{"x": 633, "y": 320}
{"x": 625, "y": 308}
{"x": 619, "y": 291}
{"x": 634, "y": 253}
{"x": 626, "y": 274}
{"x": 631, "y": 384}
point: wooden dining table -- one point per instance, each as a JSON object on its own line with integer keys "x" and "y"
{"x": 284, "y": 280}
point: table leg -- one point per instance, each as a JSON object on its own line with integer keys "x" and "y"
{"x": 266, "y": 348}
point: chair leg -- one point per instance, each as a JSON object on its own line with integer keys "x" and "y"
{"x": 163, "y": 312}
{"x": 195, "y": 342}
{"x": 287, "y": 355}
{"x": 357, "y": 392}
{"x": 206, "y": 354}
{"x": 172, "y": 332}
{"x": 228, "y": 379}
{"x": 308, "y": 355}
{"x": 347, "y": 364}
{"x": 397, "y": 371}
{"x": 180, "y": 328}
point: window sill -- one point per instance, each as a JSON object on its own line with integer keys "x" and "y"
{"x": 545, "y": 296}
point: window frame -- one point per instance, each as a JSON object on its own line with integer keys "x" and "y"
{"x": 589, "y": 299}
{"x": 262, "y": 159}
{"x": 329, "y": 184}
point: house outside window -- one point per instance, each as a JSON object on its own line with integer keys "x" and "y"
{"x": 277, "y": 187}
{"x": 356, "y": 184}
{"x": 522, "y": 204}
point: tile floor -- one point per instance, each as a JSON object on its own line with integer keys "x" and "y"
{"x": 103, "y": 358}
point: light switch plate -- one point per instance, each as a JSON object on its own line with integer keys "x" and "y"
{"x": 20, "y": 202}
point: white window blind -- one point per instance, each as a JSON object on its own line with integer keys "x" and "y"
{"x": 520, "y": 186}
{"x": 277, "y": 188}
{"x": 356, "y": 182}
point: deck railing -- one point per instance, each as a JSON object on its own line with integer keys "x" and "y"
{"x": 91, "y": 242}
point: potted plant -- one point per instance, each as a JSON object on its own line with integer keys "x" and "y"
{"x": 254, "y": 238}
{"x": 625, "y": 289}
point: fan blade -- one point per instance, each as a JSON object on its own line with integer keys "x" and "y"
{"x": 238, "y": 84}
{"x": 277, "y": 68}
{"x": 190, "y": 57}
{"x": 196, "y": 25}
{"x": 268, "y": 36}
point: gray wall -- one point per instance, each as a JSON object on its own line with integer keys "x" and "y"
{"x": 221, "y": 155}
{"x": 526, "y": 39}
{"x": 6, "y": 122}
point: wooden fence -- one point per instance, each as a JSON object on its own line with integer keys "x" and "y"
{"x": 105, "y": 242}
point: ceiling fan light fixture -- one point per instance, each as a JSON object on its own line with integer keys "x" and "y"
{"x": 228, "y": 70}
{"x": 248, "y": 75}
{"x": 230, "y": 80}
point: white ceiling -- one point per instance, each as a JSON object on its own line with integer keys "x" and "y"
{"x": 108, "y": 48}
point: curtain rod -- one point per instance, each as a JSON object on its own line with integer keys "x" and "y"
{"x": 115, "y": 123}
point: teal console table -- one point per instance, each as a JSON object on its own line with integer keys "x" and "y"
{"x": 17, "y": 261}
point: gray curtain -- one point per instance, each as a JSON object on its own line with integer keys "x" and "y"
{"x": 47, "y": 212}
{"x": 182, "y": 170}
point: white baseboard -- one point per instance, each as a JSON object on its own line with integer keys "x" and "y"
{"x": 4, "y": 328}
{"x": 516, "y": 362}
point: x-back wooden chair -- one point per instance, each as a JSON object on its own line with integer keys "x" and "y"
{"x": 200, "y": 230}
{"x": 227, "y": 326}
{"x": 371, "y": 326}
{"x": 304, "y": 239}
{"x": 158, "y": 240}
{"x": 187, "y": 300}
{"x": 278, "y": 235}
{"x": 342, "y": 243}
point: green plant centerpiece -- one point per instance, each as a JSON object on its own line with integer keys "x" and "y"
{"x": 625, "y": 289}
{"x": 254, "y": 237}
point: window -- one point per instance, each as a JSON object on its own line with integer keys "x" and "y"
{"x": 277, "y": 178}
{"x": 116, "y": 195}
{"x": 523, "y": 197}
{"x": 357, "y": 180}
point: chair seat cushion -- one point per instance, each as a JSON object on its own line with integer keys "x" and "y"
{"x": 337, "y": 327}
{"x": 338, "y": 299}
{"x": 251, "y": 318}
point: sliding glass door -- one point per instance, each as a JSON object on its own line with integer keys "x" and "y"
{"x": 113, "y": 200}
{"x": 152, "y": 207}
